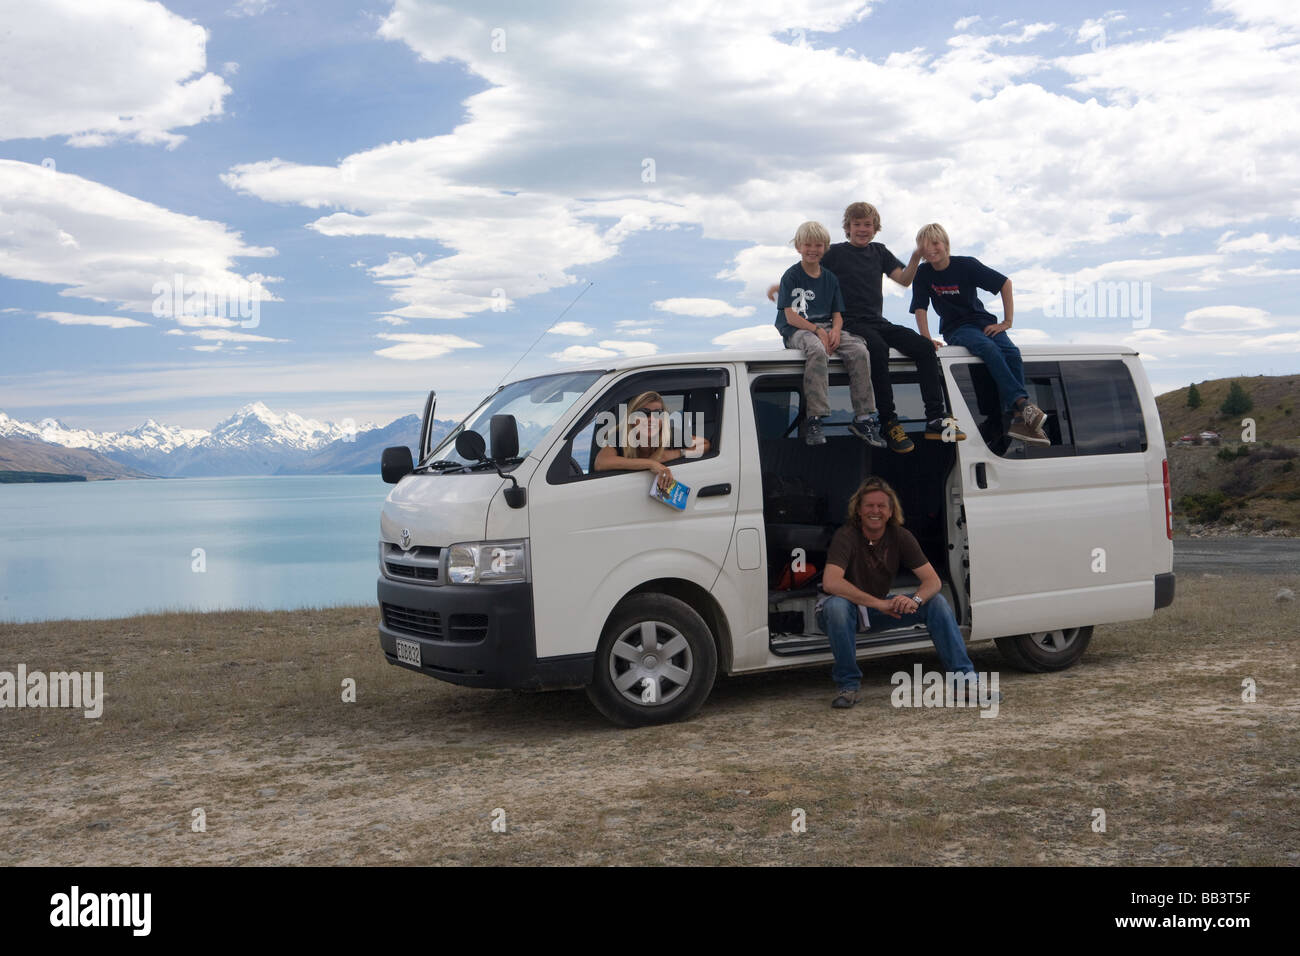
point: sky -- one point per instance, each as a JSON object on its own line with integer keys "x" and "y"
{"x": 376, "y": 199}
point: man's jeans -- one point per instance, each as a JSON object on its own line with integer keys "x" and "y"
{"x": 816, "y": 386}
{"x": 839, "y": 619}
{"x": 1000, "y": 357}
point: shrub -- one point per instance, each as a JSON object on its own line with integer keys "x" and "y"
{"x": 1204, "y": 508}
{"x": 1193, "y": 397}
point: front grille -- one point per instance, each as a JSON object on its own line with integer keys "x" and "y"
{"x": 469, "y": 628}
{"x": 411, "y": 620}
{"x": 418, "y": 565}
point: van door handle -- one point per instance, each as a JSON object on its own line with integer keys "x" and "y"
{"x": 714, "y": 491}
{"x": 981, "y": 476}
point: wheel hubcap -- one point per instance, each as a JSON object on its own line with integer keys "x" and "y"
{"x": 1055, "y": 642}
{"x": 651, "y": 663}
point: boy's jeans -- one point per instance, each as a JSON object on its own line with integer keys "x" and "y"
{"x": 1000, "y": 357}
{"x": 839, "y": 619}
{"x": 816, "y": 389}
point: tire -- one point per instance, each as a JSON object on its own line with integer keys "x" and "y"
{"x": 633, "y": 686}
{"x": 1042, "y": 651}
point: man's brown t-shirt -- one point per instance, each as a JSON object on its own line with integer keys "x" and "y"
{"x": 869, "y": 567}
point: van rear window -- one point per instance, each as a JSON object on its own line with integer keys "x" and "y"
{"x": 1092, "y": 408}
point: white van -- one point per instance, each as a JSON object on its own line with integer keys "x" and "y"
{"x": 530, "y": 569}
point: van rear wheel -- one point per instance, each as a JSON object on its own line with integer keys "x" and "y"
{"x": 655, "y": 662}
{"x": 1041, "y": 651}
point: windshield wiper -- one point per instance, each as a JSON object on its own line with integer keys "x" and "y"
{"x": 442, "y": 464}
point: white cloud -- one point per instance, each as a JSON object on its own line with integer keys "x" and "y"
{"x": 583, "y": 353}
{"x": 107, "y": 321}
{"x": 123, "y": 247}
{"x": 750, "y": 337}
{"x": 1226, "y": 318}
{"x": 102, "y": 71}
{"x": 632, "y": 329}
{"x": 630, "y": 349}
{"x": 965, "y": 23}
{"x": 572, "y": 328}
{"x": 1258, "y": 242}
{"x": 703, "y": 308}
{"x": 412, "y": 346}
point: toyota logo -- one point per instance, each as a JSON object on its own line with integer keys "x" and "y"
{"x": 406, "y": 539}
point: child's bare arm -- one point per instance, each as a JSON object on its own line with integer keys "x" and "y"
{"x": 923, "y": 326}
{"x": 772, "y": 290}
{"x": 1008, "y": 311}
{"x": 903, "y": 276}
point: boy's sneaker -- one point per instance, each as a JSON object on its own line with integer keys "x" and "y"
{"x": 868, "y": 429}
{"x": 846, "y": 698}
{"x": 1034, "y": 416}
{"x": 1020, "y": 429}
{"x": 944, "y": 429}
{"x": 813, "y": 434}
{"x": 897, "y": 438}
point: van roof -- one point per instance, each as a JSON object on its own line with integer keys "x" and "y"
{"x": 783, "y": 356}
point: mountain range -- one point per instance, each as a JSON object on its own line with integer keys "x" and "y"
{"x": 253, "y": 441}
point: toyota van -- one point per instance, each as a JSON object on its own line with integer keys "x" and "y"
{"x": 507, "y": 560}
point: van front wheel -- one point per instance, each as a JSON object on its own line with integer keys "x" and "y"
{"x": 655, "y": 662}
{"x": 1045, "y": 650}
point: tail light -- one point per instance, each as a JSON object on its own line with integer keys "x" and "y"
{"x": 1169, "y": 508}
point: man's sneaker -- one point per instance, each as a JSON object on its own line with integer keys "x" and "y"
{"x": 847, "y": 697}
{"x": 1034, "y": 416}
{"x": 897, "y": 438}
{"x": 868, "y": 429}
{"x": 944, "y": 429}
{"x": 813, "y": 434}
{"x": 1030, "y": 436}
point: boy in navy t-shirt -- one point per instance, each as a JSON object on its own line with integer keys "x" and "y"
{"x": 952, "y": 284}
{"x": 810, "y": 318}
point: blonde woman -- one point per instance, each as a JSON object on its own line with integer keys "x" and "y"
{"x": 645, "y": 445}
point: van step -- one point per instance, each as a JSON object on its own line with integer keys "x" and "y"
{"x": 790, "y": 645}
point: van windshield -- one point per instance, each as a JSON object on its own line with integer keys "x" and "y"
{"x": 536, "y": 403}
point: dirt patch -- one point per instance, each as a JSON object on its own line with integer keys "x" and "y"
{"x": 240, "y": 715}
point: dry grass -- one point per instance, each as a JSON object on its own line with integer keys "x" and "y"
{"x": 240, "y": 713}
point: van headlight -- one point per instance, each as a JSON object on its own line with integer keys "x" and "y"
{"x": 487, "y": 562}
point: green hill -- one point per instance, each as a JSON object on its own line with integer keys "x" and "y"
{"x": 1253, "y": 485}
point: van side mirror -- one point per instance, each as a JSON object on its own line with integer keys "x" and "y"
{"x": 505, "y": 437}
{"x": 470, "y": 445}
{"x": 396, "y": 464}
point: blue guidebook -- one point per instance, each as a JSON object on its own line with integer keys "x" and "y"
{"x": 674, "y": 497}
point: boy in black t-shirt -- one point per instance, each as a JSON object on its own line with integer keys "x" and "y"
{"x": 952, "y": 284}
{"x": 859, "y": 265}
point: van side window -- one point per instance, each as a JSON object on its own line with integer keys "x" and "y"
{"x": 1105, "y": 406}
{"x": 1092, "y": 408}
{"x": 693, "y": 400}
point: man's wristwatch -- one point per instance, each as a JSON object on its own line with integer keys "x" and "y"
{"x": 916, "y": 599}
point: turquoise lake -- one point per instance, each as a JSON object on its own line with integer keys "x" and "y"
{"x": 115, "y": 548}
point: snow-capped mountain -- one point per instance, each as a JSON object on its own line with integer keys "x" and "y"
{"x": 253, "y": 441}
{"x": 149, "y": 436}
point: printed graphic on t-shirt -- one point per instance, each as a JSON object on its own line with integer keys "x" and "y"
{"x": 945, "y": 289}
{"x": 801, "y": 298}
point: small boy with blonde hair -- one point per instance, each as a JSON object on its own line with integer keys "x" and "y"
{"x": 810, "y": 318}
{"x": 952, "y": 284}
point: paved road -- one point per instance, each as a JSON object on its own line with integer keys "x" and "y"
{"x": 1237, "y": 555}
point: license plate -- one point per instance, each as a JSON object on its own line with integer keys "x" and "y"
{"x": 408, "y": 652}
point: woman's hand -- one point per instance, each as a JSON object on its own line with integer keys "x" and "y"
{"x": 663, "y": 472}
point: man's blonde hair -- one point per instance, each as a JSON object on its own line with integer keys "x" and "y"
{"x": 867, "y": 487}
{"x": 861, "y": 210}
{"x": 811, "y": 232}
{"x": 933, "y": 231}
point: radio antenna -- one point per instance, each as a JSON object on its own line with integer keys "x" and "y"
{"x": 547, "y": 329}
